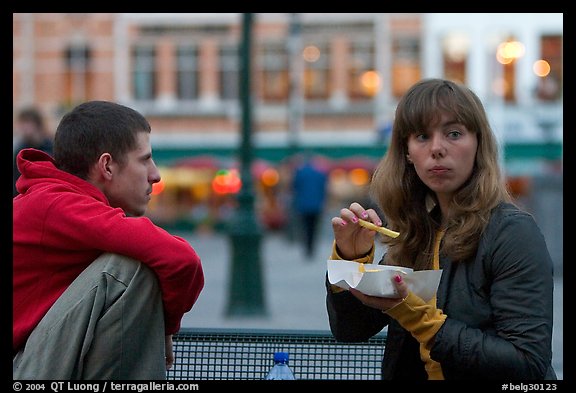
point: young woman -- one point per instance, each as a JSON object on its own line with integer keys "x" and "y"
{"x": 440, "y": 186}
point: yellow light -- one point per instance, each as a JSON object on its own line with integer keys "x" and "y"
{"x": 200, "y": 191}
{"x": 311, "y": 53}
{"x": 541, "y": 68}
{"x": 508, "y": 51}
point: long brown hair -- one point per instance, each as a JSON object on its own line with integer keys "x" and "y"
{"x": 405, "y": 200}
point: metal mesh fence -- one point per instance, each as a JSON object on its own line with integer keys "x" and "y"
{"x": 221, "y": 354}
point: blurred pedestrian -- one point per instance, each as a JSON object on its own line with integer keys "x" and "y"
{"x": 98, "y": 289}
{"x": 31, "y": 133}
{"x": 440, "y": 186}
{"x": 309, "y": 193}
{"x": 383, "y": 132}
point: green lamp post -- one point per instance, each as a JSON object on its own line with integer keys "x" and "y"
{"x": 245, "y": 280}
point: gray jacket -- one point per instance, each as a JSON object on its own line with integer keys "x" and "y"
{"x": 498, "y": 306}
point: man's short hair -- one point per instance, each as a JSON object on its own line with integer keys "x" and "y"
{"x": 94, "y": 128}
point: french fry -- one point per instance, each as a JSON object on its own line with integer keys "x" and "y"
{"x": 382, "y": 230}
{"x": 362, "y": 269}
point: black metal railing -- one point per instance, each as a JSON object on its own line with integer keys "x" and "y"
{"x": 226, "y": 354}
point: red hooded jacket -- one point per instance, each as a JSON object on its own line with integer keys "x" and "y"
{"x": 62, "y": 223}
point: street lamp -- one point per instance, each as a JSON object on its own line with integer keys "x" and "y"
{"x": 245, "y": 281}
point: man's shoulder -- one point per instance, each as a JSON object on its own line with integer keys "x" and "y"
{"x": 62, "y": 197}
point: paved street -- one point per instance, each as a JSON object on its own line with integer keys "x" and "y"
{"x": 294, "y": 290}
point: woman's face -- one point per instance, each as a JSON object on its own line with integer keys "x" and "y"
{"x": 443, "y": 155}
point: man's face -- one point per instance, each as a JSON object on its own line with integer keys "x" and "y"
{"x": 131, "y": 183}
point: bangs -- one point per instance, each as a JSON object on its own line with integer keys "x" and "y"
{"x": 423, "y": 109}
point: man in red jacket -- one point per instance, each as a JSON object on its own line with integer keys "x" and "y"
{"x": 98, "y": 289}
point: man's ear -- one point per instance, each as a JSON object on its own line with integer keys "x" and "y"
{"x": 104, "y": 166}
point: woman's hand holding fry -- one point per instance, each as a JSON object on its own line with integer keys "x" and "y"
{"x": 352, "y": 240}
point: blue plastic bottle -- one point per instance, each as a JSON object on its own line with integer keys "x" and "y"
{"x": 280, "y": 369}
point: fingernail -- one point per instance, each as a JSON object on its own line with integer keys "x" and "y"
{"x": 354, "y": 219}
{"x": 397, "y": 278}
{"x": 364, "y": 215}
{"x": 343, "y": 223}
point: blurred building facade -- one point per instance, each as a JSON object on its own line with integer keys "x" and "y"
{"x": 181, "y": 70}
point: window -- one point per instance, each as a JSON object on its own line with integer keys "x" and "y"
{"x": 316, "y": 71}
{"x": 363, "y": 81}
{"x": 144, "y": 73}
{"x": 509, "y": 82}
{"x": 507, "y": 54}
{"x": 77, "y": 76}
{"x": 274, "y": 73}
{"x": 406, "y": 63}
{"x": 187, "y": 63}
{"x": 455, "y": 47}
{"x": 550, "y": 84}
{"x": 229, "y": 77}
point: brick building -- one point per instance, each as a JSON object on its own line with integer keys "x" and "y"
{"x": 181, "y": 70}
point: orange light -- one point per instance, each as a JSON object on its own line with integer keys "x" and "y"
{"x": 270, "y": 177}
{"x": 370, "y": 81}
{"x": 359, "y": 176}
{"x": 157, "y": 188}
{"x": 541, "y": 68}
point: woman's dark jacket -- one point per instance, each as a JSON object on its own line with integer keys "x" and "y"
{"x": 498, "y": 306}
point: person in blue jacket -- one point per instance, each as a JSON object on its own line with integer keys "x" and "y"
{"x": 309, "y": 188}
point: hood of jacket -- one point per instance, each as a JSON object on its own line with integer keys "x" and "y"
{"x": 39, "y": 169}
